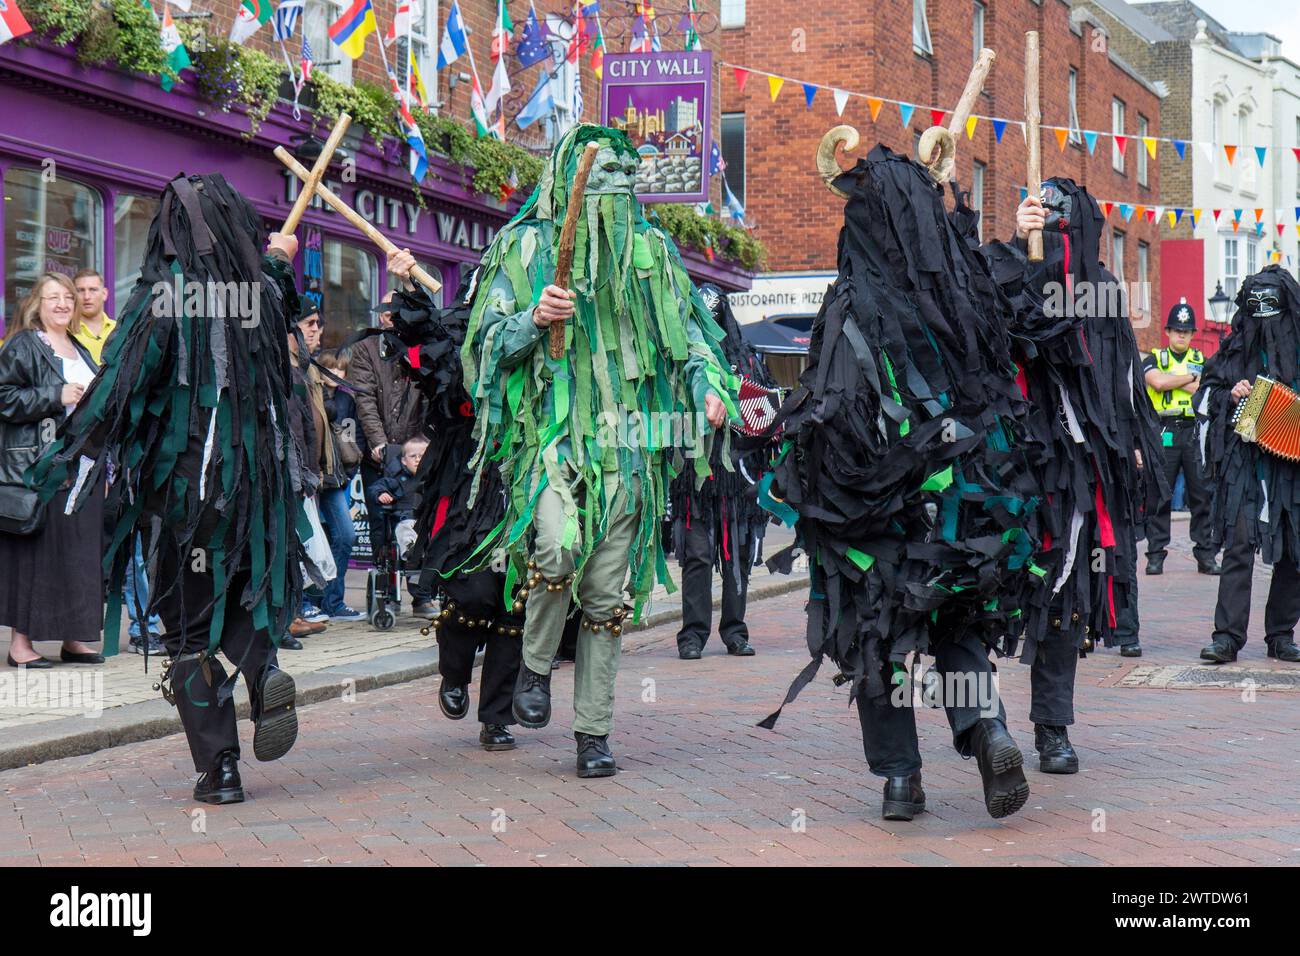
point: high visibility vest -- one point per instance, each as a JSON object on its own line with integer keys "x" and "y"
{"x": 1177, "y": 402}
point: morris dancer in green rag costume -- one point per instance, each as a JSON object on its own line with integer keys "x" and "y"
{"x": 588, "y": 443}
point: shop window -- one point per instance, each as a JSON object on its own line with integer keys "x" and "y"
{"x": 733, "y": 153}
{"x": 49, "y": 226}
{"x": 348, "y": 286}
{"x": 132, "y": 216}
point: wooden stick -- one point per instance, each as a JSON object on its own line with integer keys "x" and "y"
{"x": 352, "y": 216}
{"x": 564, "y": 258}
{"x": 974, "y": 84}
{"x": 1034, "y": 173}
{"x": 307, "y": 191}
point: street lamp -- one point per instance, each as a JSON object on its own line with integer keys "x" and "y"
{"x": 1219, "y": 303}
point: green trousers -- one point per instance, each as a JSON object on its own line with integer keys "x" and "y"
{"x": 600, "y": 594}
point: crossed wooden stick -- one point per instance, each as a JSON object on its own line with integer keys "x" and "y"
{"x": 312, "y": 186}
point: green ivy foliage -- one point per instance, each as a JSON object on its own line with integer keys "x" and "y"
{"x": 227, "y": 74}
{"x": 61, "y": 20}
{"x": 689, "y": 228}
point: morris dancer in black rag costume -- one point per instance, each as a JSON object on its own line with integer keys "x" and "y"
{"x": 1081, "y": 369}
{"x": 721, "y": 524}
{"x": 427, "y": 343}
{"x": 908, "y": 467}
{"x": 1255, "y": 504}
{"x": 192, "y": 405}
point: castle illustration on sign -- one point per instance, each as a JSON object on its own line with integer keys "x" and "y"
{"x": 668, "y": 139}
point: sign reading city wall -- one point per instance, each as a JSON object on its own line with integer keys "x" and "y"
{"x": 663, "y": 102}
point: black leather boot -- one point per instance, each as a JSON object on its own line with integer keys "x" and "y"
{"x": 1001, "y": 767}
{"x": 594, "y": 756}
{"x": 1209, "y": 567}
{"x": 496, "y": 737}
{"x": 1130, "y": 650}
{"x": 741, "y": 648}
{"x": 1219, "y": 652}
{"x": 453, "y": 701}
{"x": 689, "y": 650}
{"x": 532, "y": 703}
{"x": 220, "y": 784}
{"x": 1155, "y": 564}
{"x": 904, "y": 797}
{"x": 1285, "y": 651}
{"x": 1055, "y": 752}
{"x": 275, "y": 716}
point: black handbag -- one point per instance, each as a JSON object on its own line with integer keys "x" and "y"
{"x": 21, "y": 510}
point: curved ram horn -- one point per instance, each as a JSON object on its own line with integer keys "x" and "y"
{"x": 937, "y": 150}
{"x": 826, "y": 164}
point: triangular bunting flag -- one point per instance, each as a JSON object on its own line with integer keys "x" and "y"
{"x": 809, "y": 91}
{"x": 1170, "y": 216}
{"x": 874, "y": 105}
{"x": 1121, "y": 142}
{"x": 1106, "y": 207}
{"x": 1126, "y": 211}
{"x": 1023, "y": 193}
{"x": 1196, "y": 218}
{"x": 774, "y": 84}
{"x": 1259, "y": 154}
{"x": 1259, "y": 229}
{"x": 1296, "y": 150}
{"x": 1150, "y": 143}
{"x": 1151, "y": 214}
{"x": 841, "y": 99}
{"x": 936, "y": 117}
{"x": 1159, "y": 211}
{"x": 1216, "y": 214}
{"x": 1090, "y": 137}
{"x": 1230, "y": 151}
{"x": 1181, "y": 146}
{"x": 1236, "y": 225}
{"x": 1062, "y": 134}
{"x": 1280, "y": 227}
{"x": 1208, "y": 150}
{"x": 970, "y": 126}
{"x": 999, "y": 127}
{"x": 905, "y": 111}
{"x": 1236, "y": 215}
{"x": 1139, "y": 210}
{"x": 1259, "y": 215}
{"x": 1178, "y": 215}
{"x": 742, "y": 75}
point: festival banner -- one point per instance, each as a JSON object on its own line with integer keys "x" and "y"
{"x": 662, "y": 100}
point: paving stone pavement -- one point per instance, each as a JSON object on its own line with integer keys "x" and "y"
{"x": 1197, "y": 777}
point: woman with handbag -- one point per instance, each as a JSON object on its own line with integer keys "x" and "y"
{"x": 52, "y": 585}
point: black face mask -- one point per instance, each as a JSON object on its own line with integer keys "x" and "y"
{"x": 1058, "y": 207}
{"x": 1264, "y": 300}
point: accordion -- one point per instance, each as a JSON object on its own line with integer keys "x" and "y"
{"x": 758, "y": 407}
{"x": 1270, "y": 416}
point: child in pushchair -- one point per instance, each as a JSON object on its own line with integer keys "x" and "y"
{"x": 393, "y": 498}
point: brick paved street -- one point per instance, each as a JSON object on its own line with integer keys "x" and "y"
{"x": 1193, "y": 776}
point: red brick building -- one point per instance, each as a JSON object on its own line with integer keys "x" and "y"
{"x": 921, "y": 52}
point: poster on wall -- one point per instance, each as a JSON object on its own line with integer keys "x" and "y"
{"x": 663, "y": 102}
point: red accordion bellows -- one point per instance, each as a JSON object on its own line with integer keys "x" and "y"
{"x": 1270, "y": 416}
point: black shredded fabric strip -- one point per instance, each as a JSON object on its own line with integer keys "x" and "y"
{"x": 909, "y": 458}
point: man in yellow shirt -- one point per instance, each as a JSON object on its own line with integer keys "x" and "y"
{"x": 95, "y": 323}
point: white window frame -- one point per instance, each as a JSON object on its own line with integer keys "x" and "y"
{"x": 1144, "y": 129}
{"x": 978, "y": 173}
{"x": 1118, "y": 109}
{"x": 977, "y": 30}
{"x": 1076, "y": 134}
{"x": 1246, "y": 152}
{"x": 1117, "y": 255}
{"x": 732, "y": 14}
{"x": 1217, "y": 132}
{"x": 319, "y": 14}
{"x": 1252, "y": 256}
{"x": 1230, "y": 258}
{"x": 422, "y": 41}
{"x": 921, "y": 29}
{"x": 1144, "y": 279}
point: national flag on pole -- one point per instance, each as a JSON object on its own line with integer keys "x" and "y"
{"x": 419, "y": 158}
{"x": 478, "y": 108}
{"x": 401, "y": 25}
{"x": 532, "y": 46}
{"x": 501, "y": 33}
{"x": 734, "y": 209}
{"x": 454, "y": 42}
{"x": 252, "y": 14}
{"x": 716, "y": 165}
{"x": 640, "y": 38}
{"x": 178, "y": 58}
{"x": 349, "y": 31}
{"x": 692, "y": 37}
{"x": 510, "y": 185}
{"x": 307, "y": 59}
{"x": 286, "y": 19}
{"x": 539, "y": 105}
{"x": 598, "y": 52}
{"x": 417, "y": 86}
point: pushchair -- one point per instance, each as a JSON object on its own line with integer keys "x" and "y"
{"x": 384, "y": 582}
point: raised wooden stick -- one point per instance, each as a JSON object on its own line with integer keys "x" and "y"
{"x": 1034, "y": 173}
{"x": 352, "y": 216}
{"x": 564, "y": 258}
{"x": 938, "y": 146}
{"x": 308, "y": 190}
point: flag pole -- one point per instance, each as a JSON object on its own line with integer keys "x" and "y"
{"x": 410, "y": 51}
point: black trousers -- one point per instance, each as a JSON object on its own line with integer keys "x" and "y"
{"x": 1232, "y": 612}
{"x": 1126, "y": 613}
{"x": 697, "y": 591}
{"x": 478, "y": 596}
{"x": 1051, "y": 681}
{"x": 1183, "y": 456}
{"x": 889, "y": 724}
{"x": 209, "y": 724}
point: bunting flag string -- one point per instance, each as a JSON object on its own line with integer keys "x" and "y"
{"x": 1173, "y": 215}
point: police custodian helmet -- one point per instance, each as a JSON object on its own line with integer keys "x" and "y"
{"x": 1181, "y": 318}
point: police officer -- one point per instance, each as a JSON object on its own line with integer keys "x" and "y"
{"x": 1173, "y": 375}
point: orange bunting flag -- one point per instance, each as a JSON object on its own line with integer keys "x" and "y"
{"x": 1230, "y": 152}
{"x": 1259, "y": 215}
{"x": 1236, "y": 224}
{"x": 1062, "y": 134}
{"x": 874, "y": 105}
{"x": 774, "y": 84}
{"x": 970, "y": 127}
{"x": 1150, "y": 143}
{"x": 1139, "y": 211}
